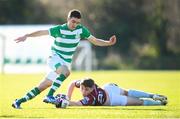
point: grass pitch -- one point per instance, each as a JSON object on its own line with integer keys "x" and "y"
{"x": 14, "y": 86}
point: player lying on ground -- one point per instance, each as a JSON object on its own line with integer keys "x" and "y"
{"x": 67, "y": 37}
{"x": 111, "y": 95}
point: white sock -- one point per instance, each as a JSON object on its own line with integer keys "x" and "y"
{"x": 139, "y": 94}
{"x": 151, "y": 102}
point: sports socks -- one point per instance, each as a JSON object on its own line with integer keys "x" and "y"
{"x": 30, "y": 95}
{"x": 139, "y": 94}
{"x": 56, "y": 84}
{"x": 151, "y": 102}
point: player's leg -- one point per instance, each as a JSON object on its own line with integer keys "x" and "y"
{"x": 118, "y": 97}
{"x": 63, "y": 73}
{"x": 134, "y": 93}
{"x": 32, "y": 93}
{"x": 52, "y": 75}
{"x": 144, "y": 102}
{"x": 157, "y": 99}
{"x": 59, "y": 73}
{"x": 122, "y": 100}
{"x": 142, "y": 94}
{"x": 139, "y": 94}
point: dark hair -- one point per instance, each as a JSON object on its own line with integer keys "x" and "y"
{"x": 87, "y": 82}
{"x": 74, "y": 13}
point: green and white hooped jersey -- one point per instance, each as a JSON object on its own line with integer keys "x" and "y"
{"x": 66, "y": 40}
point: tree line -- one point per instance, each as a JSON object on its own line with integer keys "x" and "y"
{"x": 148, "y": 31}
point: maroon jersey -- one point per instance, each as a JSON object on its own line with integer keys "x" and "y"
{"x": 96, "y": 98}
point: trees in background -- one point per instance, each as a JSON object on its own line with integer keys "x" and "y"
{"x": 148, "y": 31}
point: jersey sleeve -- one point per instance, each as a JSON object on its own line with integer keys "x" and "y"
{"x": 88, "y": 101}
{"x": 85, "y": 33}
{"x": 54, "y": 31}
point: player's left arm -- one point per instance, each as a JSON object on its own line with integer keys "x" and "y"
{"x": 101, "y": 42}
{"x": 75, "y": 103}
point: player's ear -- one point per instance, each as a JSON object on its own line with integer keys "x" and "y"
{"x": 68, "y": 18}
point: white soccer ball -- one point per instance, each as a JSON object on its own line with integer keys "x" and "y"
{"x": 62, "y": 101}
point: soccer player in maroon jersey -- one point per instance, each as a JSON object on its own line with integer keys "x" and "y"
{"x": 111, "y": 95}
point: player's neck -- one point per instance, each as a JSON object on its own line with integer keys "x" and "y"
{"x": 68, "y": 26}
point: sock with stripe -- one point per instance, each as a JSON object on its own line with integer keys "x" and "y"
{"x": 139, "y": 94}
{"x": 56, "y": 84}
{"x": 30, "y": 95}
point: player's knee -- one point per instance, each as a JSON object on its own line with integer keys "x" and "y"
{"x": 125, "y": 92}
{"x": 60, "y": 69}
{"x": 63, "y": 70}
{"x": 67, "y": 73}
{"x": 134, "y": 101}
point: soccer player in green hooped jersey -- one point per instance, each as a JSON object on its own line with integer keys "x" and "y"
{"x": 66, "y": 39}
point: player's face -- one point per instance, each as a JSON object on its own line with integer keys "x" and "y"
{"x": 85, "y": 90}
{"x": 73, "y": 22}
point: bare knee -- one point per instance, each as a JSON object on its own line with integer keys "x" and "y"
{"x": 63, "y": 70}
{"x": 134, "y": 101}
{"x": 66, "y": 72}
{"x": 124, "y": 92}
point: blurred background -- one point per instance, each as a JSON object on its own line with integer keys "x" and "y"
{"x": 148, "y": 33}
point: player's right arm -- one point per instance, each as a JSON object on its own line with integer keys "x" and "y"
{"x": 33, "y": 34}
{"x": 70, "y": 90}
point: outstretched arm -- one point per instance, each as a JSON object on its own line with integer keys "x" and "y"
{"x": 69, "y": 94}
{"x": 33, "y": 34}
{"x": 70, "y": 89}
{"x": 75, "y": 103}
{"x": 100, "y": 42}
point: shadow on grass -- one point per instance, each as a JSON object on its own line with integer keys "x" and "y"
{"x": 144, "y": 109}
{"x": 12, "y": 116}
{"x": 102, "y": 108}
{"x": 7, "y": 116}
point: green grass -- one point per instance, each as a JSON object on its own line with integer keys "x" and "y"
{"x": 14, "y": 86}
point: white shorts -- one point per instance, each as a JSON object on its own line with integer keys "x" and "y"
{"x": 54, "y": 60}
{"x": 115, "y": 95}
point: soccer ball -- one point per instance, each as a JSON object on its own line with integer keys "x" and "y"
{"x": 62, "y": 101}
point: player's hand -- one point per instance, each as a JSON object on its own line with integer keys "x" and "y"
{"x": 21, "y": 39}
{"x": 112, "y": 40}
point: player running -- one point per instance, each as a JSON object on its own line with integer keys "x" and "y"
{"x": 66, "y": 39}
{"x": 111, "y": 95}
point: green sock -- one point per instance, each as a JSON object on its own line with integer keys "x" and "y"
{"x": 30, "y": 95}
{"x": 56, "y": 84}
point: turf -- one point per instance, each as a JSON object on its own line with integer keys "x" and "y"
{"x": 13, "y": 86}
